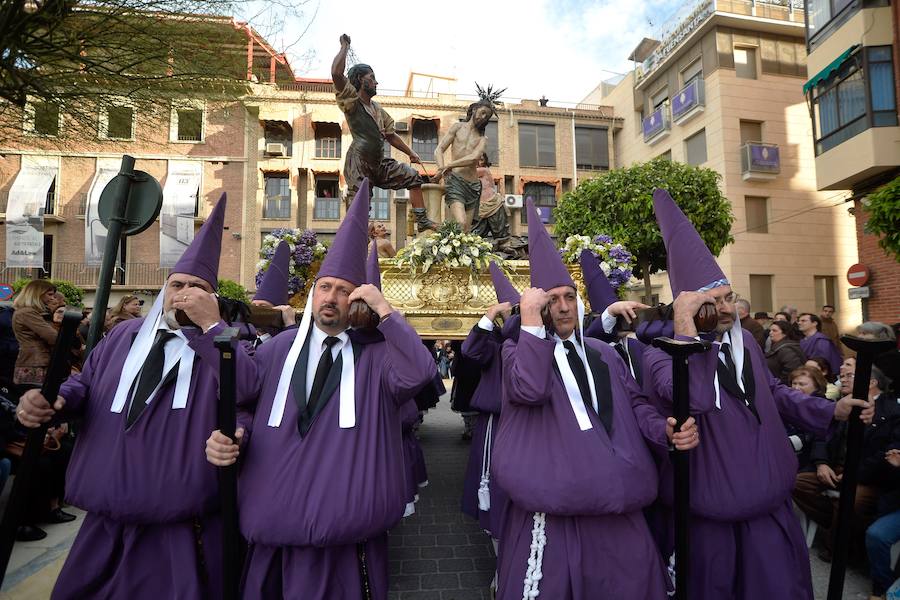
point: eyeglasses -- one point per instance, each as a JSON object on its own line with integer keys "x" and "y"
{"x": 729, "y": 298}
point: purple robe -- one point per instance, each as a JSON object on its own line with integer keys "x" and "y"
{"x": 146, "y": 487}
{"x": 819, "y": 345}
{"x": 413, "y": 457}
{"x": 592, "y": 485}
{"x": 483, "y": 347}
{"x": 306, "y": 502}
{"x": 745, "y": 541}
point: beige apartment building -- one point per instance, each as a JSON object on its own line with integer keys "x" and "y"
{"x": 724, "y": 90}
{"x": 854, "y": 56}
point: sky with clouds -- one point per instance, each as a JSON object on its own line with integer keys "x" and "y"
{"x": 532, "y": 47}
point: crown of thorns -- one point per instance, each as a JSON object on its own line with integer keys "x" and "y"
{"x": 488, "y": 94}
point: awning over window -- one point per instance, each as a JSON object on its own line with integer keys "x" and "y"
{"x": 25, "y": 211}
{"x": 94, "y": 231}
{"x": 829, "y": 70}
{"x": 180, "y": 205}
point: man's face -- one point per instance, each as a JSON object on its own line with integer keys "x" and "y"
{"x": 805, "y": 324}
{"x": 848, "y": 368}
{"x": 481, "y": 117}
{"x": 725, "y": 300}
{"x": 263, "y": 303}
{"x": 827, "y": 312}
{"x": 331, "y": 304}
{"x": 563, "y": 310}
{"x": 178, "y": 282}
{"x": 369, "y": 84}
{"x": 380, "y": 230}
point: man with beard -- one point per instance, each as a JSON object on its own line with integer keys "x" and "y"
{"x": 370, "y": 126}
{"x": 746, "y": 542}
{"x": 467, "y": 143}
{"x": 146, "y": 400}
{"x": 322, "y": 479}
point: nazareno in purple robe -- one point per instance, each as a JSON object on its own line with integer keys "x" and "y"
{"x": 413, "y": 457}
{"x": 483, "y": 347}
{"x": 746, "y": 542}
{"x": 819, "y": 345}
{"x": 149, "y": 491}
{"x": 591, "y": 485}
{"x": 306, "y": 502}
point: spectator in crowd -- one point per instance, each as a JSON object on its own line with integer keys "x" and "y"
{"x": 34, "y": 307}
{"x": 790, "y": 311}
{"x": 809, "y": 381}
{"x": 885, "y": 531}
{"x": 829, "y": 326}
{"x": 440, "y": 358}
{"x": 749, "y": 323}
{"x": 833, "y": 390}
{"x": 763, "y": 319}
{"x": 782, "y": 316}
{"x": 9, "y": 346}
{"x": 814, "y": 343}
{"x": 889, "y": 362}
{"x": 378, "y": 235}
{"x": 784, "y": 354}
{"x": 128, "y": 307}
{"x": 817, "y": 493}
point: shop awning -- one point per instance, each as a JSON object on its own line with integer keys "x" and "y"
{"x": 829, "y": 70}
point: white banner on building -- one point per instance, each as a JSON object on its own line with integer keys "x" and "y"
{"x": 94, "y": 230}
{"x": 180, "y": 204}
{"x": 28, "y": 197}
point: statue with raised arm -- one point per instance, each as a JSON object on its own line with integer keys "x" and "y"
{"x": 466, "y": 143}
{"x": 370, "y": 125}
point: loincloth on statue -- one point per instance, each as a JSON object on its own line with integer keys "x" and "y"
{"x": 490, "y": 206}
{"x": 388, "y": 174}
{"x": 461, "y": 190}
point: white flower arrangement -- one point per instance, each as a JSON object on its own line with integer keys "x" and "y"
{"x": 450, "y": 247}
{"x": 615, "y": 259}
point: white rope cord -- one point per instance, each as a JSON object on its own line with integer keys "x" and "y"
{"x": 534, "y": 574}
{"x": 484, "y": 490}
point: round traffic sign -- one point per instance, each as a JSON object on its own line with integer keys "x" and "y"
{"x": 6, "y": 291}
{"x": 858, "y": 275}
{"x": 144, "y": 202}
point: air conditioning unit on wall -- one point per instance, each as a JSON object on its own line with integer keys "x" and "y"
{"x": 513, "y": 201}
{"x": 275, "y": 149}
{"x": 401, "y": 126}
{"x": 401, "y": 194}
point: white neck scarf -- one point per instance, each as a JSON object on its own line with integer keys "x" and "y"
{"x": 569, "y": 382}
{"x": 137, "y": 355}
{"x": 347, "y": 408}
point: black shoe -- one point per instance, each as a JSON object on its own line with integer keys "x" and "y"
{"x": 30, "y": 533}
{"x": 58, "y": 515}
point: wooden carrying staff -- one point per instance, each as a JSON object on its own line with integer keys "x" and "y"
{"x": 57, "y": 372}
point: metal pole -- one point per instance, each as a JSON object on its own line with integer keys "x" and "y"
{"x": 866, "y": 351}
{"x": 227, "y": 423}
{"x": 110, "y": 254}
{"x": 680, "y": 351}
{"x": 57, "y": 372}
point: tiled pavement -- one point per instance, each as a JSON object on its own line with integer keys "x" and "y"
{"x": 439, "y": 553}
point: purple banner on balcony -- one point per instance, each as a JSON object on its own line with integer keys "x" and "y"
{"x": 685, "y": 100}
{"x": 654, "y": 124}
{"x": 764, "y": 158}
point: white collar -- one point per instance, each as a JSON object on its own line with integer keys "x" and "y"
{"x": 317, "y": 338}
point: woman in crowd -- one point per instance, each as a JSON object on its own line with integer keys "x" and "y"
{"x": 809, "y": 381}
{"x": 785, "y": 354}
{"x": 129, "y": 307}
{"x": 34, "y": 307}
{"x": 833, "y": 391}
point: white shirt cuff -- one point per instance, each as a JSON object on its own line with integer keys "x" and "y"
{"x": 609, "y": 321}
{"x": 486, "y": 324}
{"x": 538, "y": 332}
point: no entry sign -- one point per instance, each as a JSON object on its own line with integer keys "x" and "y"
{"x": 858, "y": 275}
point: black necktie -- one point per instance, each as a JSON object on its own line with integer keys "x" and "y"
{"x": 580, "y": 374}
{"x": 729, "y": 361}
{"x": 151, "y": 375}
{"x": 325, "y": 363}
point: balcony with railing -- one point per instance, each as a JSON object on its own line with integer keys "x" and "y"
{"x": 779, "y": 14}
{"x": 133, "y": 275}
{"x": 760, "y": 161}
{"x": 656, "y": 125}
{"x": 689, "y": 101}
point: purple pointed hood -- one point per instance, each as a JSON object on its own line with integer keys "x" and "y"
{"x": 691, "y": 266}
{"x": 274, "y": 285}
{"x": 503, "y": 286}
{"x": 373, "y": 273}
{"x": 201, "y": 259}
{"x": 346, "y": 257}
{"x": 547, "y": 268}
{"x": 599, "y": 291}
